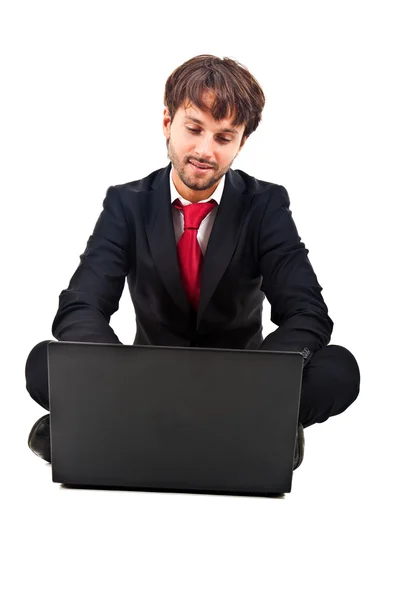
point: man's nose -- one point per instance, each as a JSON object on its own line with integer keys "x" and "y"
{"x": 205, "y": 147}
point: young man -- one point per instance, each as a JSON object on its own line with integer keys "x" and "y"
{"x": 202, "y": 245}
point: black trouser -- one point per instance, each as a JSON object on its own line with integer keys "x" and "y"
{"x": 331, "y": 382}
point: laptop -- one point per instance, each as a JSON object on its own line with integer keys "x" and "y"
{"x": 170, "y": 418}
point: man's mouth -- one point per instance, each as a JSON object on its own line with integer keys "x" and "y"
{"x": 199, "y": 166}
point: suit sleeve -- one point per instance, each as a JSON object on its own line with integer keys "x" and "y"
{"x": 290, "y": 284}
{"x": 95, "y": 288}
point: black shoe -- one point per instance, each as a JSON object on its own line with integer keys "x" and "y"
{"x": 39, "y": 438}
{"x": 299, "y": 450}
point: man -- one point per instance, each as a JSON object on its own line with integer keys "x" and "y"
{"x": 201, "y": 246}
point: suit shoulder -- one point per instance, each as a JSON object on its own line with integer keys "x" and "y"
{"x": 138, "y": 185}
{"x": 258, "y": 186}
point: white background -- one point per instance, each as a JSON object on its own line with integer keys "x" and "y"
{"x": 82, "y": 102}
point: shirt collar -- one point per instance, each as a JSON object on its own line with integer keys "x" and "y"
{"x": 217, "y": 195}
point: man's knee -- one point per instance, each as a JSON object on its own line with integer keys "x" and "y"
{"x": 346, "y": 373}
{"x": 36, "y": 356}
{"x": 40, "y": 348}
{"x": 36, "y": 373}
{"x": 346, "y": 364}
{"x": 331, "y": 383}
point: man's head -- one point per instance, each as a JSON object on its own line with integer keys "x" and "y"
{"x": 212, "y": 106}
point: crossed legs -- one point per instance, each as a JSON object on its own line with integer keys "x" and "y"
{"x": 331, "y": 382}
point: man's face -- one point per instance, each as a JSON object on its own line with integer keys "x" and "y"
{"x": 194, "y": 136}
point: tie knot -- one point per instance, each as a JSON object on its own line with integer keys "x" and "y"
{"x": 194, "y": 213}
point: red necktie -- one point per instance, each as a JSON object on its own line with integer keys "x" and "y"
{"x": 190, "y": 257}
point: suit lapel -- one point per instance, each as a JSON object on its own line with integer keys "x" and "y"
{"x": 221, "y": 245}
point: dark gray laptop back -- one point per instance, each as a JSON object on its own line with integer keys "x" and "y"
{"x": 173, "y": 418}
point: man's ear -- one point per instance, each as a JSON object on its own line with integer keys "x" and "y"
{"x": 166, "y": 122}
{"x": 242, "y": 144}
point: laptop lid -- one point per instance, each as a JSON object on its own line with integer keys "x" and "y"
{"x": 173, "y": 418}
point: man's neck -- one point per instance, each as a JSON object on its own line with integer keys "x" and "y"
{"x": 188, "y": 194}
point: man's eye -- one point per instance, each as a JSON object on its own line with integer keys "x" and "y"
{"x": 198, "y": 131}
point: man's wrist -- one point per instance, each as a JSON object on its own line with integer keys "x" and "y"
{"x": 306, "y": 352}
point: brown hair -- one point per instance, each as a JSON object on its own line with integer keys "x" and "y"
{"x": 236, "y": 90}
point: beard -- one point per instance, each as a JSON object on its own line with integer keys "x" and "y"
{"x": 189, "y": 178}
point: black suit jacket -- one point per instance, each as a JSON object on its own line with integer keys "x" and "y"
{"x": 254, "y": 251}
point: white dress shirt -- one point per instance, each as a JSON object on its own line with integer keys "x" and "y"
{"x": 206, "y": 225}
